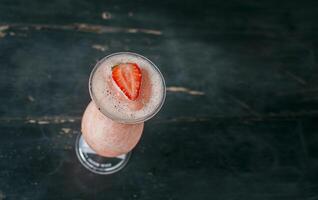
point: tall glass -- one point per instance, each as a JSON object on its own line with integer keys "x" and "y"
{"x": 108, "y": 133}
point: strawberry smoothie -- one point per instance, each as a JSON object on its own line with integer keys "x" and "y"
{"x": 106, "y": 137}
{"x": 127, "y": 89}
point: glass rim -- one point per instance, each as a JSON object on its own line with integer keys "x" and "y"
{"x": 110, "y": 116}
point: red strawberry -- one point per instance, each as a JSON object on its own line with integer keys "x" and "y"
{"x": 127, "y": 77}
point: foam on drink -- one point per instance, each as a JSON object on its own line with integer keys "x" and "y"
{"x": 112, "y": 102}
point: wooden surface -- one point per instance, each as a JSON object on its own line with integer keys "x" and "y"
{"x": 239, "y": 121}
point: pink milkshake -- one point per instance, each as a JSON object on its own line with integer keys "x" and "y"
{"x": 126, "y": 90}
{"x": 106, "y": 137}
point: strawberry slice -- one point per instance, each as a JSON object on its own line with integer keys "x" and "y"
{"x": 127, "y": 77}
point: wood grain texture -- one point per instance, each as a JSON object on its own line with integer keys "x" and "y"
{"x": 240, "y": 117}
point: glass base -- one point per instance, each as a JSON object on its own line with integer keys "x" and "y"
{"x": 96, "y": 163}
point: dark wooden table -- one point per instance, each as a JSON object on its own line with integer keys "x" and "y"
{"x": 240, "y": 118}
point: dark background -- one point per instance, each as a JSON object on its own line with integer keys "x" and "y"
{"x": 239, "y": 121}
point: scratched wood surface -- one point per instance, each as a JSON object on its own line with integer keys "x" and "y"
{"x": 240, "y": 118}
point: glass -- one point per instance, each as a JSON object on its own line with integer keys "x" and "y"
{"x": 105, "y": 144}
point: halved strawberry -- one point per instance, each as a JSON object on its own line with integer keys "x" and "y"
{"x": 127, "y": 77}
